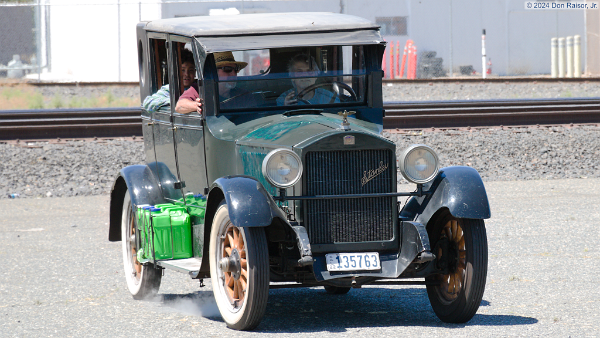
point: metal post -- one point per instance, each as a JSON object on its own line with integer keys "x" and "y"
{"x": 569, "y": 56}
{"x": 450, "y": 61}
{"x": 119, "y": 35}
{"x": 561, "y": 57}
{"x": 38, "y": 38}
{"x": 577, "y": 56}
{"x": 554, "y": 57}
{"x": 483, "y": 57}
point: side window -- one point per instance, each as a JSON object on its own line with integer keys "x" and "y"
{"x": 159, "y": 70}
{"x": 188, "y": 85}
{"x": 159, "y": 63}
{"x": 259, "y": 61}
{"x": 187, "y": 76}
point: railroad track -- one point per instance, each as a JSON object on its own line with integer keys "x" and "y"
{"x": 125, "y": 122}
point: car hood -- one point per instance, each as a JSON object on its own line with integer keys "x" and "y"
{"x": 285, "y": 131}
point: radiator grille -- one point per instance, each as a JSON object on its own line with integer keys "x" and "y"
{"x": 356, "y": 219}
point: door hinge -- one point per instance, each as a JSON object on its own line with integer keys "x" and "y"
{"x": 179, "y": 185}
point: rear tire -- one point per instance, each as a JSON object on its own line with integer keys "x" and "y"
{"x": 242, "y": 288}
{"x": 458, "y": 295}
{"x": 143, "y": 280}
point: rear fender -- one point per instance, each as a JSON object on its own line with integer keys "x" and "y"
{"x": 143, "y": 189}
{"x": 459, "y": 189}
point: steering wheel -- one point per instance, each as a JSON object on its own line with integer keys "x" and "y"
{"x": 336, "y": 91}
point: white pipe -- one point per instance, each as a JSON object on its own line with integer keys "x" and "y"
{"x": 451, "y": 65}
{"x": 569, "y": 56}
{"x": 561, "y": 57}
{"x": 577, "y": 56}
{"x": 483, "y": 70}
{"x": 554, "y": 57}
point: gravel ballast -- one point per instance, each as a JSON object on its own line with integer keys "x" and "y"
{"x": 78, "y": 168}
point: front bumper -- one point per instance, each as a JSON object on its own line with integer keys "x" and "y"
{"x": 414, "y": 246}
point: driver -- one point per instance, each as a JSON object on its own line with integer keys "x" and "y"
{"x": 300, "y": 68}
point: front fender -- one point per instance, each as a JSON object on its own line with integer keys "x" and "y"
{"x": 460, "y": 189}
{"x": 249, "y": 204}
{"x": 143, "y": 188}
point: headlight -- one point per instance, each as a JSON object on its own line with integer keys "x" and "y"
{"x": 418, "y": 163}
{"x": 282, "y": 168}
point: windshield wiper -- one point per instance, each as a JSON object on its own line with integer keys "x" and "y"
{"x": 303, "y": 111}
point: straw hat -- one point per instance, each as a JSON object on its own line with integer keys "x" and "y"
{"x": 227, "y": 58}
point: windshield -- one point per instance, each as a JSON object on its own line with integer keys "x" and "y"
{"x": 290, "y": 78}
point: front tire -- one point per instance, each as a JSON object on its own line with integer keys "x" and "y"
{"x": 460, "y": 245}
{"x": 142, "y": 280}
{"x": 239, "y": 271}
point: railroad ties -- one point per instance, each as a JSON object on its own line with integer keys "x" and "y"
{"x": 460, "y": 114}
{"x": 70, "y": 123}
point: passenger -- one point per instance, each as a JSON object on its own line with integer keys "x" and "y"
{"x": 301, "y": 66}
{"x": 229, "y": 95}
{"x": 162, "y": 98}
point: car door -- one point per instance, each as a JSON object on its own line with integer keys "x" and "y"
{"x": 189, "y": 134}
{"x": 165, "y": 166}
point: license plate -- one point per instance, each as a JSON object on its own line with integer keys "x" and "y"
{"x": 353, "y": 261}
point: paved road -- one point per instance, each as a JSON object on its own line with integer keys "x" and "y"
{"x": 61, "y": 277}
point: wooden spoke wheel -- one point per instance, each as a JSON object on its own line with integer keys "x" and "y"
{"x": 142, "y": 280}
{"x": 234, "y": 265}
{"x": 460, "y": 246}
{"x": 452, "y": 282}
{"x": 239, "y": 271}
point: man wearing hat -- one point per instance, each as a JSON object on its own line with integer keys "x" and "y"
{"x": 229, "y": 95}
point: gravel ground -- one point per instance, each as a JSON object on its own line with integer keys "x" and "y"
{"x": 439, "y": 91}
{"x": 428, "y": 91}
{"x": 125, "y": 90}
{"x": 88, "y": 168}
{"x": 75, "y": 168}
{"x": 78, "y": 168}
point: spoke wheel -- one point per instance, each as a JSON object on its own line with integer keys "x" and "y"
{"x": 239, "y": 271}
{"x": 461, "y": 250}
{"x": 236, "y": 276}
{"x": 142, "y": 280}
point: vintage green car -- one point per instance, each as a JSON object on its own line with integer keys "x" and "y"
{"x": 278, "y": 176}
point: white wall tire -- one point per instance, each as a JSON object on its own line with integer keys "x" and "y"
{"x": 241, "y": 290}
{"x": 143, "y": 281}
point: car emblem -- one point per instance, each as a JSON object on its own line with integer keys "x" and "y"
{"x": 349, "y": 140}
{"x": 371, "y": 174}
{"x": 344, "y": 115}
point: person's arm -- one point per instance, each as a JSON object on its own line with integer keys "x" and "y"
{"x": 159, "y": 99}
{"x": 189, "y": 102}
{"x": 186, "y": 106}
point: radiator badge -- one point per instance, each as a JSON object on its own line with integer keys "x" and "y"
{"x": 371, "y": 174}
{"x": 349, "y": 140}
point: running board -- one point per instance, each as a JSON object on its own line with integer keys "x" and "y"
{"x": 190, "y": 266}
